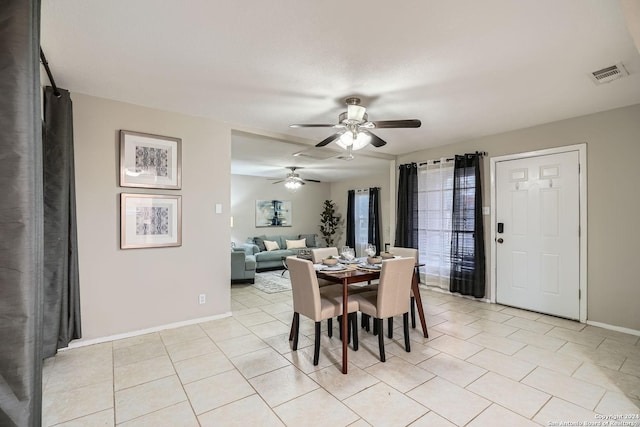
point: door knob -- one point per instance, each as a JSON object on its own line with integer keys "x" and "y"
{"x": 500, "y": 240}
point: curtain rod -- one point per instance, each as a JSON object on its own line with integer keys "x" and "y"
{"x": 43, "y": 58}
{"x": 480, "y": 153}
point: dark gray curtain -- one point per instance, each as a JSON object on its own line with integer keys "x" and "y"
{"x": 407, "y": 212}
{"x": 373, "y": 232}
{"x": 351, "y": 226}
{"x": 61, "y": 285}
{"x": 21, "y": 220}
{"x": 467, "y": 234}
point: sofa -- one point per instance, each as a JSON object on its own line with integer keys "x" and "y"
{"x": 272, "y": 259}
{"x": 243, "y": 266}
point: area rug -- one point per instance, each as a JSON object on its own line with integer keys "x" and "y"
{"x": 272, "y": 282}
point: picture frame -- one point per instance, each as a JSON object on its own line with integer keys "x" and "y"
{"x": 150, "y": 161}
{"x": 150, "y": 220}
{"x": 274, "y": 213}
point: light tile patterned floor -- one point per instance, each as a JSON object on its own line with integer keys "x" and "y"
{"x": 483, "y": 365}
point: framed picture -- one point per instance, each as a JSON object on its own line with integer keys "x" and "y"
{"x": 150, "y": 221}
{"x": 150, "y": 161}
{"x": 273, "y": 213}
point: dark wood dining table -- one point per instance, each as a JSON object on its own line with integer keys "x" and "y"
{"x": 357, "y": 275}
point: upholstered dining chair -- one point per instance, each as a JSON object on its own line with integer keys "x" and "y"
{"x": 408, "y": 253}
{"x": 405, "y": 253}
{"x": 391, "y": 298}
{"x": 316, "y": 303}
{"x": 318, "y": 254}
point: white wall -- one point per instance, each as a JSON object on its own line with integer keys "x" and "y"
{"x": 128, "y": 290}
{"x": 306, "y": 206}
{"x": 613, "y": 155}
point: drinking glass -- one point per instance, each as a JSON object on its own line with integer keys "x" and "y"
{"x": 370, "y": 249}
{"x": 347, "y": 253}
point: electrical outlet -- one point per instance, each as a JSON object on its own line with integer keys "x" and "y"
{"x": 202, "y": 299}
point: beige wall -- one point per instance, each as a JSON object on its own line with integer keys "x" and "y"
{"x": 306, "y": 205}
{"x": 387, "y": 195}
{"x": 128, "y": 290}
{"x": 613, "y": 154}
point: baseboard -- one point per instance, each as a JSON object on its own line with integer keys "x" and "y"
{"x": 84, "y": 343}
{"x": 444, "y": 291}
{"x": 614, "y": 328}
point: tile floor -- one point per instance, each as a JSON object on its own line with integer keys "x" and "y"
{"x": 483, "y": 365}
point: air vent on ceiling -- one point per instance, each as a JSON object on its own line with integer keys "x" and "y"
{"x": 609, "y": 74}
{"x": 317, "y": 154}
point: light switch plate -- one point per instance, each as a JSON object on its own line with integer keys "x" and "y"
{"x": 218, "y": 208}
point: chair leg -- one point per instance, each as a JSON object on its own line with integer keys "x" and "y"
{"x": 292, "y": 327}
{"x": 405, "y": 321}
{"x": 296, "y": 329}
{"x": 390, "y": 327}
{"x": 330, "y": 327}
{"x": 375, "y": 326}
{"x": 381, "y": 338}
{"x": 316, "y": 347}
{"x": 413, "y": 312}
{"x": 354, "y": 326}
{"x": 365, "y": 322}
{"x": 340, "y": 327}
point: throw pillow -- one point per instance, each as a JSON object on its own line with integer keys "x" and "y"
{"x": 296, "y": 244}
{"x": 271, "y": 245}
{"x": 311, "y": 240}
{"x": 259, "y": 240}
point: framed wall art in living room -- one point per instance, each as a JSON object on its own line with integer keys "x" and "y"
{"x": 273, "y": 213}
{"x": 150, "y": 220}
{"x": 150, "y": 161}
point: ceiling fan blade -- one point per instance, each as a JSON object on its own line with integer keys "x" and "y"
{"x": 278, "y": 182}
{"x": 311, "y": 180}
{"x": 375, "y": 140}
{"x": 317, "y": 125}
{"x": 328, "y": 140}
{"x": 410, "y": 123}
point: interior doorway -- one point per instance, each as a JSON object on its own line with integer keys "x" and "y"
{"x": 539, "y": 231}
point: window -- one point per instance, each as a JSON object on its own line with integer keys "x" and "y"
{"x": 361, "y": 204}
{"x": 435, "y": 203}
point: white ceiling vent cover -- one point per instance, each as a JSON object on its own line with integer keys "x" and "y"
{"x": 609, "y": 74}
{"x": 317, "y": 153}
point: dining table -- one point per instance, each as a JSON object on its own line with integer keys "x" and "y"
{"x": 353, "y": 273}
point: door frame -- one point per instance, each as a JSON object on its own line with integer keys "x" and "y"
{"x": 582, "y": 176}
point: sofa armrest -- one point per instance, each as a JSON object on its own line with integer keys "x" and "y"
{"x": 249, "y": 248}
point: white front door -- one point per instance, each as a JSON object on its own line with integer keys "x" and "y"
{"x": 538, "y": 250}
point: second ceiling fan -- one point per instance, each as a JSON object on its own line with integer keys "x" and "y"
{"x": 355, "y": 127}
{"x": 293, "y": 181}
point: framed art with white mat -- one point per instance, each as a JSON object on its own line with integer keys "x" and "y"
{"x": 150, "y": 161}
{"x": 150, "y": 221}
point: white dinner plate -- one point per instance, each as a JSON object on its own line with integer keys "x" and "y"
{"x": 346, "y": 261}
{"x": 336, "y": 267}
{"x": 371, "y": 266}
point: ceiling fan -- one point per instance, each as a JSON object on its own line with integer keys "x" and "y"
{"x": 293, "y": 181}
{"x": 355, "y": 126}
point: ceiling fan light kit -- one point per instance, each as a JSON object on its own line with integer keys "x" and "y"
{"x": 356, "y": 125}
{"x": 293, "y": 185}
{"x": 355, "y": 140}
{"x": 293, "y": 182}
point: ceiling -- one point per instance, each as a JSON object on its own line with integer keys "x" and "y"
{"x": 465, "y": 68}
